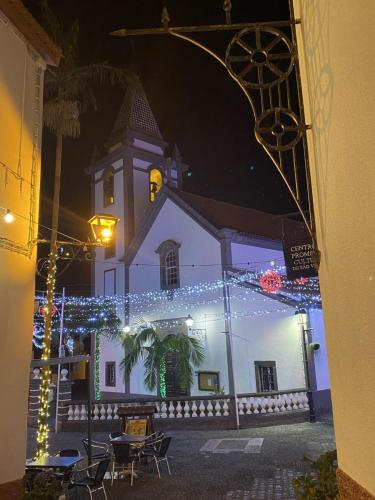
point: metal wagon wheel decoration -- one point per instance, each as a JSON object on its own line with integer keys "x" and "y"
{"x": 260, "y": 57}
{"x": 278, "y": 129}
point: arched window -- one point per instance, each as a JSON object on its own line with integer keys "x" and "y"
{"x": 108, "y": 188}
{"x": 155, "y": 182}
{"x": 169, "y": 265}
{"x": 171, "y": 270}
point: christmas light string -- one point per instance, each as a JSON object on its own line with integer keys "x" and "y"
{"x": 302, "y": 292}
{"x": 85, "y": 315}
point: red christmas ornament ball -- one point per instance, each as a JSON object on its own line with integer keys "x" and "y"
{"x": 271, "y": 281}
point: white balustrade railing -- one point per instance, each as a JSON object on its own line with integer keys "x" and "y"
{"x": 199, "y": 407}
{"x": 273, "y": 403}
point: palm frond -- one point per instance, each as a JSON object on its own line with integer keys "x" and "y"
{"x": 148, "y": 336}
{"x": 189, "y": 352}
{"x": 148, "y": 346}
{"x": 153, "y": 357}
{"x": 132, "y": 355}
{"x": 62, "y": 117}
{"x": 105, "y": 74}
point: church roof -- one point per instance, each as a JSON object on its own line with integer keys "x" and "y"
{"x": 245, "y": 220}
{"x": 37, "y": 37}
{"x": 215, "y": 216}
{"x": 135, "y": 113}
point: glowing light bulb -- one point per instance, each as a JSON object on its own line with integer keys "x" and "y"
{"x": 106, "y": 233}
{"x": 126, "y": 329}
{"x": 9, "y": 217}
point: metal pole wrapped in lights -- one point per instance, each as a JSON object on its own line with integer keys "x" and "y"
{"x": 102, "y": 226}
{"x": 302, "y": 322}
{"x": 103, "y": 229}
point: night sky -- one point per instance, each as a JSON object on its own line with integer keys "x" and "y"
{"x": 196, "y": 104}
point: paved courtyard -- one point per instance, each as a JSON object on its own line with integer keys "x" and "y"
{"x": 256, "y": 463}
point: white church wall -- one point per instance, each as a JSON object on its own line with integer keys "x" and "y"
{"x": 111, "y": 352}
{"x": 117, "y": 210}
{"x": 320, "y": 356}
{"x": 148, "y": 147}
{"x": 259, "y": 258}
{"x": 141, "y": 189}
{"x": 198, "y": 247}
{"x": 265, "y": 330}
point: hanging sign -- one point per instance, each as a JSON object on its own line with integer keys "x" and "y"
{"x": 299, "y": 258}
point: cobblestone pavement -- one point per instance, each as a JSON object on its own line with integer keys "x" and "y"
{"x": 201, "y": 473}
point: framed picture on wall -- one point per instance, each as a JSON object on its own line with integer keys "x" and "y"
{"x": 208, "y": 381}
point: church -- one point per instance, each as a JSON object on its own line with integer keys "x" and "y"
{"x": 197, "y": 266}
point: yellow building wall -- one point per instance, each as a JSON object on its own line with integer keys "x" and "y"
{"x": 21, "y": 81}
{"x": 337, "y": 51}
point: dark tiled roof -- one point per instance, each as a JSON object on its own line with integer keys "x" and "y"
{"x": 135, "y": 112}
{"x": 242, "y": 219}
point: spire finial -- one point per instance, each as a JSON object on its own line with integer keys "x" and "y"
{"x": 227, "y": 6}
{"x": 165, "y": 19}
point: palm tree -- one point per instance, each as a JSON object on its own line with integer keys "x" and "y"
{"x": 152, "y": 349}
{"x": 68, "y": 93}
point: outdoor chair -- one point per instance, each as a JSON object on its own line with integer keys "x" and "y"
{"x": 151, "y": 439}
{"x": 158, "y": 453}
{"x": 152, "y": 442}
{"x": 65, "y": 475}
{"x": 124, "y": 456}
{"x": 99, "y": 451}
{"x": 114, "y": 435}
{"x": 92, "y": 482}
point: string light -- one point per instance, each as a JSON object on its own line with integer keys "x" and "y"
{"x": 9, "y": 217}
{"x": 43, "y": 430}
{"x": 162, "y": 379}
{"x": 97, "y": 366}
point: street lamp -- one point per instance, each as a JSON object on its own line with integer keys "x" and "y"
{"x": 102, "y": 226}
{"x": 189, "y": 321}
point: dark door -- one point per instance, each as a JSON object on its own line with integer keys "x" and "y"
{"x": 173, "y": 389}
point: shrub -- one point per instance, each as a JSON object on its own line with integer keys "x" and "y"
{"x": 321, "y": 482}
{"x": 42, "y": 486}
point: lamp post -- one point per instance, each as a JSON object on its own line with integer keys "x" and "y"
{"x": 102, "y": 227}
{"x": 189, "y": 321}
{"x": 302, "y": 320}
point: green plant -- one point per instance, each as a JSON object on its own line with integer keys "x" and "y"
{"x": 152, "y": 349}
{"x": 42, "y": 486}
{"x": 321, "y": 482}
{"x": 218, "y": 391}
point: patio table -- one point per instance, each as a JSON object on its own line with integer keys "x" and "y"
{"x": 53, "y": 462}
{"x": 129, "y": 439}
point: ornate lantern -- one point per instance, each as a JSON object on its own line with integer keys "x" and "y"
{"x": 102, "y": 226}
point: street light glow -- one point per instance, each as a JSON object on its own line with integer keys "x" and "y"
{"x": 106, "y": 233}
{"x": 189, "y": 321}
